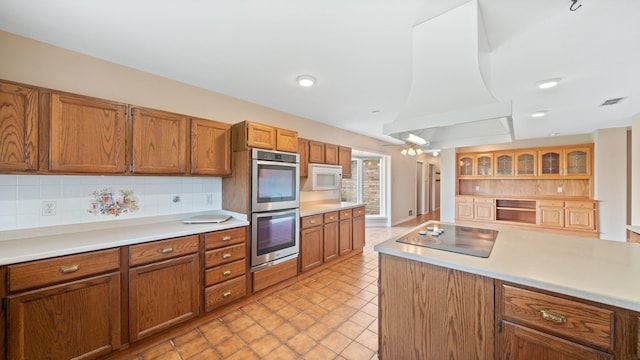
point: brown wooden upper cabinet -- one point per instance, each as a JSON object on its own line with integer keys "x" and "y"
{"x": 526, "y": 163}
{"x": 572, "y": 161}
{"x": 484, "y": 164}
{"x": 19, "y": 127}
{"x": 504, "y": 163}
{"x": 331, "y": 154}
{"x": 210, "y": 147}
{"x": 465, "y": 165}
{"x": 79, "y": 134}
{"x": 316, "y": 152}
{"x": 303, "y": 150}
{"x": 344, "y": 158}
{"x": 159, "y": 142}
{"x": 248, "y": 134}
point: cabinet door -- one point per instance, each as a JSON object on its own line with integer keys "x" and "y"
{"x": 74, "y": 320}
{"x": 261, "y": 136}
{"x": 19, "y": 127}
{"x": 580, "y": 218}
{"x": 162, "y": 295}
{"x": 521, "y": 343}
{"x": 84, "y": 135}
{"x": 210, "y": 148}
{"x": 464, "y": 208}
{"x": 344, "y": 159}
{"x": 484, "y": 165}
{"x": 485, "y": 210}
{"x": 526, "y": 164}
{"x": 577, "y": 161}
{"x": 550, "y": 162}
{"x": 316, "y": 152}
{"x": 504, "y": 164}
{"x": 465, "y": 165}
{"x": 358, "y": 232}
{"x": 286, "y": 140}
{"x": 311, "y": 246}
{"x": 345, "y": 236}
{"x": 331, "y": 154}
{"x": 303, "y": 151}
{"x": 159, "y": 142}
{"x": 331, "y": 245}
{"x": 550, "y": 216}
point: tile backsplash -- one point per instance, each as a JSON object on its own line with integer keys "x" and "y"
{"x": 28, "y": 201}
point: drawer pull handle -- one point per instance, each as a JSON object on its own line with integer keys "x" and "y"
{"x": 226, "y": 294}
{"x": 312, "y": 221}
{"x": 226, "y": 273}
{"x": 226, "y": 238}
{"x": 226, "y": 255}
{"x": 167, "y": 250}
{"x": 330, "y": 217}
{"x": 69, "y": 269}
{"x": 552, "y": 316}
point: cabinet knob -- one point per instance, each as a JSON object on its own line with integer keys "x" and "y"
{"x": 69, "y": 269}
{"x": 226, "y": 273}
{"x": 312, "y": 221}
{"x": 552, "y": 316}
{"x": 226, "y": 255}
{"x": 167, "y": 250}
{"x": 226, "y": 238}
{"x": 330, "y": 217}
{"x": 226, "y": 294}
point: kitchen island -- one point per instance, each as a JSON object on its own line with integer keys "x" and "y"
{"x": 536, "y": 293}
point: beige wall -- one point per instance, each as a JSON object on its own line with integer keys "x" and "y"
{"x": 635, "y": 171}
{"x": 31, "y": 62}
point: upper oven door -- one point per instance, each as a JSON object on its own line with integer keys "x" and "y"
{"x": 274, "y": 185}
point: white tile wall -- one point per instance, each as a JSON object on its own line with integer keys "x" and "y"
{"x": 22, "y": 197}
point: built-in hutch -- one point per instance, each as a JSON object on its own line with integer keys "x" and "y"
{"x": 549, "y": 187}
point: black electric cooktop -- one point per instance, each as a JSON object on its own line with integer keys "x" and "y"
{"x": 459, "y": 239}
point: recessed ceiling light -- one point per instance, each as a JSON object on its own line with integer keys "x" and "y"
{"x": 540, "y": 113}
{"x": 548, "y": 83}
{"x": 306, "y": 80}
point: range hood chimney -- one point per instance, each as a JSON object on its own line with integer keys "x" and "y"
{"x": 449, "y": 104}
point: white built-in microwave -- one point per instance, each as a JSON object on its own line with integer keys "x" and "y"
{"x": 324, "y": 177}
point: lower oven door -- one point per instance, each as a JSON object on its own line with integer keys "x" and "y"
{"x": 274, "y": 237}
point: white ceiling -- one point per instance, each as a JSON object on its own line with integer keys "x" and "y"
{"x": 362, "y": 53}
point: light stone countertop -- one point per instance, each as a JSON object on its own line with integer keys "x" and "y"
{"x": 604, "y": 271}
{"x": 635, "y": 229}
{"x": 319, "y": 207}
{"x": 40, "y": 243}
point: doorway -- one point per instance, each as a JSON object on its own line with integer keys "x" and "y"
{"x": 420, "y": 209}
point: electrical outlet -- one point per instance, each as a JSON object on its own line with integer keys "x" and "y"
{"x": 560, "y": 188}
{"x": 49, "y": 208}
{"x": 175, "y": 199}
{"x": 209, "y": 199}
{"x": 477, "y": 187}
{"x": 410, "y": 212}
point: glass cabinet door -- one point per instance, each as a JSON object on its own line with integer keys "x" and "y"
{"x": 484, "y": 164}
{"x": 504, "y": 164}
{"x": 526, "y": 163}
{"x": 577, "y": 161}
{"x": 465, "y": 165}
{"x": 550, "y": 162}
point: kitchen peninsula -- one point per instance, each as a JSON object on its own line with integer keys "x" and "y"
{"x": 537, "y": 295}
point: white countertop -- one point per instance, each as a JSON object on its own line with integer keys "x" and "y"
{"x": 41, "y": 243}
{"x": 599, "y": 270}
{"x": 634, "y": 228}
{"x": 319, "y": 207}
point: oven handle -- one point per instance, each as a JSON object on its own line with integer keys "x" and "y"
{"x": 278, "y": 163}
{"x": 295, "y": 211}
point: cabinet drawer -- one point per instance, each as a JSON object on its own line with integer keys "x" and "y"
{"x": 358, "y": 211}
{"x": 224, "y": 293}
{"x": 160, "y": 250}
{"x": 223, "y": 238}
{"x": 331, "y": 216}
{"x": 346, "y": 214}
{"x": 581, "y": 204}
{"x": 464, "y": 199}
{"x": 550, "y": 203}
{"x": 50, "y": 271}
{"x": 309, "y": 221}
{"x": 224, "y": 272}
{"x": 481, "y": 200}
{"x": 224, "y": 255}
{"x": 567, "y": 318}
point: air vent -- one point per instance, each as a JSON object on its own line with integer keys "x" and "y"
{"x": 612, "y": 101}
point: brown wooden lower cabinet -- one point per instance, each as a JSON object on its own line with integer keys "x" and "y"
{"x": 162, "y": 295}
{"x": 75, "y": 320}
{"x": 345, "y": 237}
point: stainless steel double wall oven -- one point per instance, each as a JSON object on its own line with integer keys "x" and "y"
{"x": 275, "y": 202}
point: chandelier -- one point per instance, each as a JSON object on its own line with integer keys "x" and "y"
{"x": 411, "y": 149}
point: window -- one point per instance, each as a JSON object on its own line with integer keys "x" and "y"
{"x": 366, "y": 184}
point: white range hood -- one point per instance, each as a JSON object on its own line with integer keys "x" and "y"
{"x": 451, "y": 51}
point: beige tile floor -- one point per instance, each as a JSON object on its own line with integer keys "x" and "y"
{"x": 329, "y": 315}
